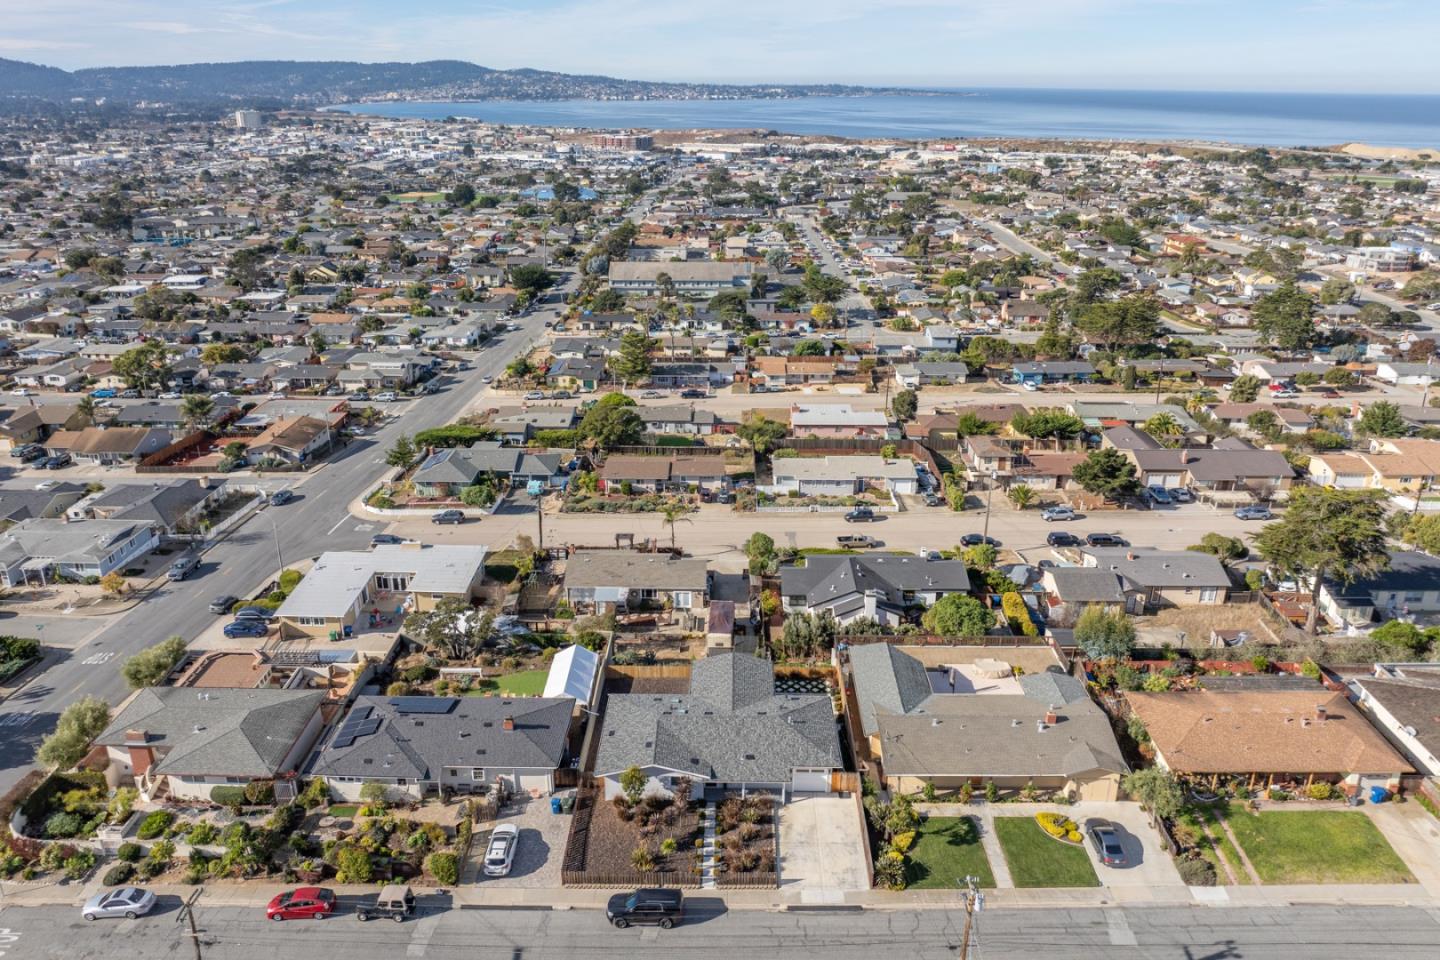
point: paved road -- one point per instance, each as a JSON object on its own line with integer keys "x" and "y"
{"x": 1181, "y": 933}
{"x": 316, "y": 521}
{"x": 1008, "y": 239}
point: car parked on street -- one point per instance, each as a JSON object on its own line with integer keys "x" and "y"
{"x": 856, "y": 541}
{"x": 448, "y": 516}
{"x": 183, "y": 567}
{"x": 500, "y": 851}
{"x": 976, "y": 539}
{"x": 1052, "y": 514}
{"x": 395, "y": 901}
{"x": 303, "y": 902}
{"x": 659, "y": 907}
{"x": 386, "y": 396}
{"x": 535, "y": 395}
{"x": 1106, "y": 839}
{"x": 127, "y": 902}
{"x": 243, "y": 629}
{"x": 1062, "y": 540}
{"x": 1105, "y": 540}
{"x": 223, "y": 603}
{"x": 1254, "y": 513}
{"x": 281, "y": 497}
{"x": 861, "y": 515}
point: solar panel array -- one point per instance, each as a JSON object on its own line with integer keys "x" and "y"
{"x": 358, "y": 724}
{"x": 422, "y": 704}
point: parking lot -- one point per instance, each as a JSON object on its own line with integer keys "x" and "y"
{"x": 541, "y": 849}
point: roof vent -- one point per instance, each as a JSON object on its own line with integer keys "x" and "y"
{"x": 1015, "y": 722}
{"x": 749, "y": 756}
{"x": 934, "y": 721}
{"x": 1040, "y": 726}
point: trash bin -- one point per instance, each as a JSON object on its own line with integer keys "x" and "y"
{"x": 554, "y": 804}
{"x": 1379, "y": 794}
{"x": 567, "y": 804}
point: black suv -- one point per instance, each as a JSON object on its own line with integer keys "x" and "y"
{"x": 664, "y": 908}
{"x": 1062, "y": 540}
{"x": 1104, "y": 540}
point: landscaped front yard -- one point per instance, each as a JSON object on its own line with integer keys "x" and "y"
{"x": 1036, "y": 859}
{"x": 526, "y": 683}
{"x": 1316, "y": 846}
{"x": 945, "y": 852}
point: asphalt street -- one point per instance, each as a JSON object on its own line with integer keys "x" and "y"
{"x": 317, "y": 520}
{"x": 710, "y": 933}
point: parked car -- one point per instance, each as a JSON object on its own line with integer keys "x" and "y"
{"x": 486, "y": 379}
{"x": 535, "y": 395}
{"x": 1051, "y": 514}
{"x": 1062, "y": 540}
{"x": 448, "y": 516}
{"x": 262, "y": 614}
{"x": 395, "y": 901}
{"x": 1254, "y": 513}
{"x": 27, "y": 452}
{"x": 861, "y": 515}
{"x": 57, "y": 462}
{"x": 104, "y": 393}
{"x": 1107, "y": 842}
{"x": 281, "y": 497}
{"x": 223, "y": 603}
{"x": 692, "y": 394}
{"x": 663, "y": 908}
{"x": 1158, "y": 495}
{"x": 385, "y": 539}
{"x": 1105, "y": 540}
{"x": 931, "y": 500}
{"x": 500, "y": 851}
{"x": 238, "y": 629}
{"x": 359, "y": 395}
{"x": 1181, "y": 495}
{"x": 975, "y": 540}
{"x": 127, "y": 902}
{"x": 183, "y": 567}
{"x": 386, "y": 396}
{"x": 855, "y": 541}
{"x": 651, "y": 395}
{"x": 314, "y": 902}
{"x": 560, "y": 395}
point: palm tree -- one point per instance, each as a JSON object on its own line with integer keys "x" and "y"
{"x": 197, "y": 408}
{"x": 1022, "y": 495}
{"x": 85, "y": 407}
{"x": 673, "y": 513}
{"x": 1165, "y": 428}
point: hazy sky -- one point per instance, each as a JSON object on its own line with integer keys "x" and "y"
{"x": 1331, "y": 45}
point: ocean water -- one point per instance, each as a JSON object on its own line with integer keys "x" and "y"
{"x": 1281, "y": 119}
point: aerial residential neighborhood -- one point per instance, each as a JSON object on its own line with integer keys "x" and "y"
{"x": 807, "y": 536}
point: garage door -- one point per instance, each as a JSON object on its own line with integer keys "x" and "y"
{"x": 814, "y": 780}
{"x": 534, "y": 783}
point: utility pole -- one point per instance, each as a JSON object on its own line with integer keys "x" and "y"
{"x": 1160, "y": 375}
{"x": 187, "y": 913}
{"x": 275, "y": 530}
{"x": 974, "y": 902}
{"x": 989, "y": 495}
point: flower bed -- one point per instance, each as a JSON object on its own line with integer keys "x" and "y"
{"x": 1060, "y": 827}
{"x": 614, "y": 844}
{"x": 745, "y": 841}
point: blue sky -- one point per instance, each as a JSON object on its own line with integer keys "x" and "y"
{"x": 1330, "y": 45}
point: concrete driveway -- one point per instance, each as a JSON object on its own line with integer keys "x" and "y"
{"x": 822, "y": 852}
{"x": 542, "y": 845}
{"x": 1147, "y": 864}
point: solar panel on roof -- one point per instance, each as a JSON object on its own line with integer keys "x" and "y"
{"x": 422, "y": 704}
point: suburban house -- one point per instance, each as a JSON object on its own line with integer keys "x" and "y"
{"x": 977, "y": 722}
{"x": 931, "y": 372}
{"x": 39, "y": 549}
{"x": 447, "y": 471}
{"x": 1409, "y": 586}
{"x": 1154, "y": 579}
{"x": 837, "y": 420}
{"x": 174, "y": 507}
{"x": 730, "y": 730}
{"x": 694, "y": 279}
{"x": 293, "y": 440}
{"x": 1403, "y": 701}
{"x": 841, "y": 476}
{"x": 344, "y": 588}
{"x": 1215, "y": 470}
{"x": 585, "y": 374}
{"x": 887, "y": 587}
{"x": 1292, "y": 733}
{"x": 22, "y": 503}
{"x": 987, "y": 456}
{"x": 518, "y": 425}
{"x": 1051, "y": 371}
{"x": 678, "y": 420}
{"x": 182, "y": 742}
{"x": 644, "y": 474}
{"x": 105, "y": 445}
{"x": 1070, "y": 591}
{"x": 623, "y": 581}
{"x": 424, "y": 745}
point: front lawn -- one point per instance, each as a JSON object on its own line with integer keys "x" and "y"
{"x": 1316, "y": 846}
{"x": 945, "y": 852}
{"x": 1038, "y": 860}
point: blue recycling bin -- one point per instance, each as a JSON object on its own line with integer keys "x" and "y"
{"x": 1379, "y": 794}
{"x": 555, "y": 804}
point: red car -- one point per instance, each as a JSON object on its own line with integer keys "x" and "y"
{"x": 313, "y": 902}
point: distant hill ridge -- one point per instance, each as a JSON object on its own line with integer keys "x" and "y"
{"x": 337, "y": 80}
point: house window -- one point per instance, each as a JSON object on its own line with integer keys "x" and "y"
{"x": 310, "y": 621}
{"x": 1414, "y": 597}
{"x": 683, "y": 599}
{"x": 477, "y": 774}
{"x": 1208, "y": 595}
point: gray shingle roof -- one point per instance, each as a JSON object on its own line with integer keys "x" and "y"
{"x": 731, "y": 727}
{"x": 827, "y": 578}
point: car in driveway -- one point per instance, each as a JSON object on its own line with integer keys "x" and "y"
{"x": 861, "y": 515}
{"x": 57, "y": 462}
{"x": 127, "y": 902}
{"x": 658, "y": 907}
{"x": 976, "y": 539}
{"x": 261, "y": 614}
{"x": 1254, "y": 513}
{"x": 931, "y": 500}
{"x": 1059, "y": 539}
{"x": 313, "y": 903}
{"x": 223, "y": 603}
{"x": 1106, "y": 840}
{"x": 448, "y": 516}
{"x": 1158, "y": 495}
{"x": 28, "y": 452}
{"x": 1105, "y": 540}
{"x": 500, "y": 851}
{"x": 1181, "y": 495}
{"x": 241, "y": 629}
{"x": 1052, "y": 514}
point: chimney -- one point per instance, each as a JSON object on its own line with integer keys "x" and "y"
{"x": 1184, "y": 454}
{"x": 1130, "y": 555}
{"x": 142, "y": 756}
{"x": 1321, "y": 713}
{"x": 1050, "y": 717}
{"x": 508, "y": 723}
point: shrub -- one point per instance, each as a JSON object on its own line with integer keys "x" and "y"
{"x": 902, "y": 842}
{"x": 1310, "y": 669}
{"x": 53, "y": 857}
{"x": 260, "y": 792}
{"x": 398, "y": 689}
{"x": 444, "y": 867}
{"x": 352, "y": 864}
{"x": 63, "y": 825}
{"x": 315, "y": 794}
{"x": 668, "y": 846}
{"x": 992, "y": 792}
{"x": 928, "y": 791}
{"x": 642, "y": 859}
{"x": 418, "y": 673}
{"x": 1197, "y": 872}
{"x": 118, "y": 874}
{"x": 155, "y": 824}
{"x": 227, "y": 796}
{"x": 79, "y": 864}
{"x": 130, "y": 852}
{"x": 204, "y": 832}
{"x": 1320, "y": 791}
{"x": 890, "y": 870}
{"x": 149, "y": 667}
{"x": 1059, "y": 826}
{"x": 122, "y": 804}
{"x": 967, "y": 792}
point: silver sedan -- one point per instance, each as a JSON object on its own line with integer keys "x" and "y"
{"x": 127, "y": 902}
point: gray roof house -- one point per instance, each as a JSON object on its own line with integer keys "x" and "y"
{"x": 877, "y": 586}
{"x": 35, "y": 550}
{"x": 730, "y": 730}
{"x": 417, "y": 745}
{"x": 1040, "y": 728}
{"x": 1162, "y": 578}
{"x": 446, "y": 472}
{"x": 1070, "y": 591}
{"x": 624, "y": 580}
{"x": 186, "y": 741}
{"x": 170, "y": 506}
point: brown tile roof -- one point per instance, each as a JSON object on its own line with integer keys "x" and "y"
{"x": 636, "y": 468}
{"x": 1271, "y": 731}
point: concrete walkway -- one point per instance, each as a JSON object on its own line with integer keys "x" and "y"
{"x": 707, "y": 860}
{"x": 994, "y": 852}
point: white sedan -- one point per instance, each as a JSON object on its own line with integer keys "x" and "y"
{"x": 500, "y": 852}
{"x": 127, "y": 902}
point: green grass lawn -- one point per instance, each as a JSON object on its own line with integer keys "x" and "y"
{"x": 345, "y": 811}
{"x": 946, "y": 850}
{"x": 1316, "y": 846}
{"x": 1195, "y": 821}
{"x": 1038, "y": 860}
{"x": 526, "y": 683}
